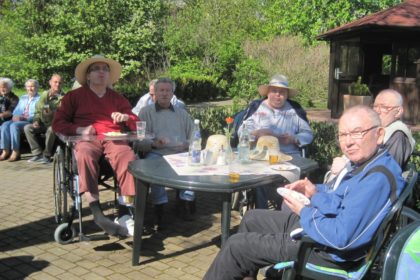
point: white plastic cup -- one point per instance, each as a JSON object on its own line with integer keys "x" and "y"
{"x": 141, "y": 129}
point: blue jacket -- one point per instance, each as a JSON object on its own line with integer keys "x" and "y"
{"x": 20, "y": 108}
{"x": 346, "y": 219}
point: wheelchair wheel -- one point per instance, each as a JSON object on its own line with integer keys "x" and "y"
{"x": 60, "y": 185}
{"x": 64, "y": 234}
{"x": 407, "y": 216}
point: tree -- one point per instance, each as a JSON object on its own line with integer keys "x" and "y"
{"x": 56, "y": 35}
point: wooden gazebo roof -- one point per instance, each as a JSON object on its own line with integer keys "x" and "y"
{"x": 404, "y": 16}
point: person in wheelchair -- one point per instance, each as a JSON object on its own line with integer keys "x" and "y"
{"x": 172, "y": 127}
{"x": 342, "y": 221}
{"x": 279, "y": 117}
{"x": 398, "y": 139}
{"x": 95, "y": 108}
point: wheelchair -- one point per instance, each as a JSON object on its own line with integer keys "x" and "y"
{"x": 67, "y": 198}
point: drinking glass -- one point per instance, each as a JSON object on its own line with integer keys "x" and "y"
{"x": 141, "y": 129}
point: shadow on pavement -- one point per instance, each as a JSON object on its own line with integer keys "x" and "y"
{"x": 20, "y": 267}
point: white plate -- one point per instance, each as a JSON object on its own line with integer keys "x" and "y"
{"x": 296, "y": 195}
{"x": 283, "y": 167}
{"x": 115, "y": 134}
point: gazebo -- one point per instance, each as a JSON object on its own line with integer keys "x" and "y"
{"x": 384, "y": 50}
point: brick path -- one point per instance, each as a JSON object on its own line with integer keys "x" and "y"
{"x": 28, "y": 250}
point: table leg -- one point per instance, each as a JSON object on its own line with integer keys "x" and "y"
{"x": 140, "y": 204}
{"x": 226, "y": 208}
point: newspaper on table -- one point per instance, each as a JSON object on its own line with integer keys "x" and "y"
{"x": 179, "y": 163}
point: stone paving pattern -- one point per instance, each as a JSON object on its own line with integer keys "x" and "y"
{"x": 184, "y": 250}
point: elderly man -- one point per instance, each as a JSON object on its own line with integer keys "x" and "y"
{"x": 276, "y": 116}
{"x": 172, "y": 128}
{"x": 150, "y": 98}
{"x": 44, "y": 114}
{"x": 95, "y": 108}
{"x": 398, "y": 139}
{"x": 342, "y": 221}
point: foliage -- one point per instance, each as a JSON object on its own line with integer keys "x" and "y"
{"x": 324, "y": 147}
{"x": 248, "y": 75}
{"x": 309, "y": 18}
{"x": 305, "y": 66}
{"x": 54, "y": 36}
{"x": 359, "y": 88}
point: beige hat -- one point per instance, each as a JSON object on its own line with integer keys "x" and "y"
{"x": 214, "y": 144}
{"x": 277, "y": 81}
{"x": 267, "y": 143}
{"x": 114, "y": 66}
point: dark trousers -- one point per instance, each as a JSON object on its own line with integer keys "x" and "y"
{"x": 32, "y": 134}
{"x": 263, "y": 239}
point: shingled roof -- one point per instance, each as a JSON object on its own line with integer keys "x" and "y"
{"x": 403, "y": 16}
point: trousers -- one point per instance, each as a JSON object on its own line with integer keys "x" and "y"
{"x": 10, "y": 135}
{"x": 32, "y": 133}
{"x": 119, "y": 155}
{"x": 263, "y": 239}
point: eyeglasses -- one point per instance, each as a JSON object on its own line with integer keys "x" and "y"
{"x": 99, "y": 68}
{"x": 355, "y": 134}
{"x": 383, "y": 108}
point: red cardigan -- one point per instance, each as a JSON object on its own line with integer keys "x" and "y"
{"x": 82, "y": 107}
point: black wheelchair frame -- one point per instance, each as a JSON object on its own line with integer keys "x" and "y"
{"x": 67, "y": 198}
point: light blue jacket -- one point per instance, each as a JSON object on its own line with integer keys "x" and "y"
{"x": 346, "y": 219}
{"x": 20, "y": 108}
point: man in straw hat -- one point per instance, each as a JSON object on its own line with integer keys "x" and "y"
{"x": 343, "y": 221}
{"x": 277, "y": 117}
{"x": 95, "y": 108}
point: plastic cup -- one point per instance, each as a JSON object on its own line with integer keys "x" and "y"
{"x": 141, "y": 129}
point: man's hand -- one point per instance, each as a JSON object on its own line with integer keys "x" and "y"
{"x": 87, "y": 130}
{"x": 36, "y": 124}
{"x": 262, "y": 132}
{"x": 295, "y": 205}
{"x": 286, "y": 139}
{"x": 303, "y": 186}
{"x": 118, "y": 117}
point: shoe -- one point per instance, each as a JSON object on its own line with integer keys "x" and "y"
{"x": 36, "y": 158}
{"x": 15, "y": 156}
{"x": 127, "y": 222}
{"x": 4, "y": 155}
{"x": 44, "y": 160}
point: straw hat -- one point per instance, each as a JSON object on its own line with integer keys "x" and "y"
{"x": 277, "y": 81}
{"x": 268, "y": 143}
{"x": 215, "y": 143}
{"x": 114, "y": 66}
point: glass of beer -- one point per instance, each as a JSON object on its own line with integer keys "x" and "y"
{"x": 234, "y": 171}
{"x": 273, "y": 157}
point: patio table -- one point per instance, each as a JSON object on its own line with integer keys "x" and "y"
{"x": 158, "y": 171}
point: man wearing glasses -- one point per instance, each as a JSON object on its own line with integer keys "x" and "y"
{"x": 95, "y": 109}
{"x": 342, "y": 221}
{"x": 398, "y": 139}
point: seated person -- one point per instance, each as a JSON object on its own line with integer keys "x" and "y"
{"x": 95, "y": 108}
{"x": 343, "y": 221}
{"x": 150, "y": 98}
{"x": 44, "y": 113}
{"x": 23, "y": 114}
{"x": 172, "y": 128}
{"x": 8, "y": 100}
{"x": 276, "y": 117}
{"x": 398, "y": 139}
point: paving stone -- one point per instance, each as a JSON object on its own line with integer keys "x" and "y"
{"x": 184, "y": 250}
